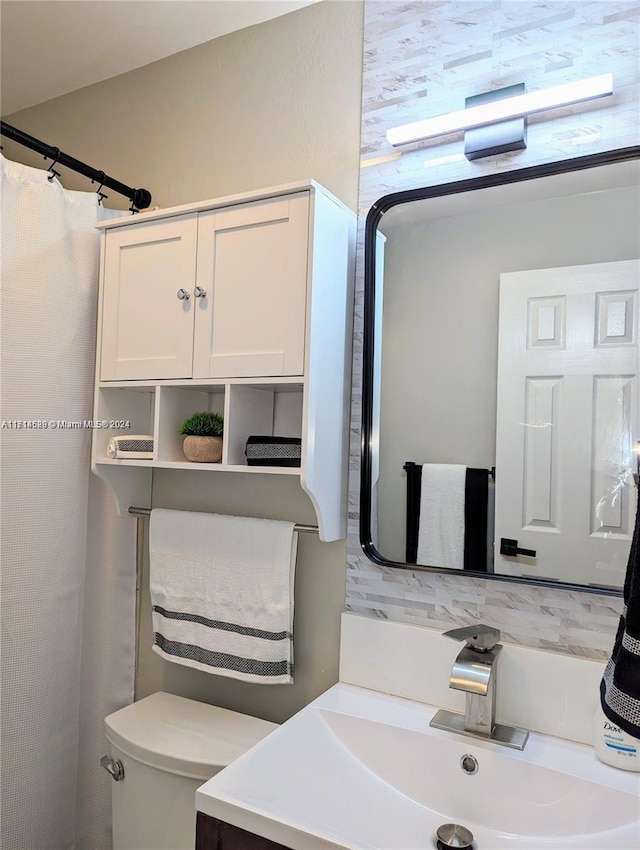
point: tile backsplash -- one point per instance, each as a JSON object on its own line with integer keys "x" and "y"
{"x": 424, "y": 58}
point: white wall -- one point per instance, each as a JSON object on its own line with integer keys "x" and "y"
{"x": 270, "y": 104}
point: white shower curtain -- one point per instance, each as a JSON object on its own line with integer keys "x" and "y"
{"x": 67, "y": 585}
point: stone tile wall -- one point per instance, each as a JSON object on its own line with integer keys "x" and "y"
{"x": 423, "y": 58}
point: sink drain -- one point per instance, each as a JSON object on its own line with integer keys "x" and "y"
{"x": 469, "y": 764}
{"x": 454, "y": 835}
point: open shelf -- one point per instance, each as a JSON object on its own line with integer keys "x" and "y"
{"x": 176, "y": 405}
{"x": 127, "y": 412}
{"x": 259, "y": 408}
{"x": 225, "y": 467}
{"x": 114, "y": 461}
{"x": 269, "y": 408}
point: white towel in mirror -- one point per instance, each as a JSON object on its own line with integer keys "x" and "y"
{"x": 442, "y": 519}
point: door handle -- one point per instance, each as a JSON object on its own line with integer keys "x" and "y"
{"x": 510, "y": 548}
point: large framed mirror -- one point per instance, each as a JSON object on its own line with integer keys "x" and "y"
{"x": 501, "y": 412}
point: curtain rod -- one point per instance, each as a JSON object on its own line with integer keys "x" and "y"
{"x": 309, "y": 529}
{"x": 140, "y": 198}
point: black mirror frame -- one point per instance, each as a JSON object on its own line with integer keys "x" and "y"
{"x": 378, "y": 209}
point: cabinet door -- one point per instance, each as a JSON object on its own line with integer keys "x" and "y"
{"x": 147, "y": 329}
{"x": 252, "y": 264}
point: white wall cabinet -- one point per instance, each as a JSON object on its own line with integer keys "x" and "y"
{"x": 216, "y": 294}
{"x": 238, "y": 305}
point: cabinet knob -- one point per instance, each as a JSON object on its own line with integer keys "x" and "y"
{"x": 183, "y": 295}
{"x": 199, "y": 292}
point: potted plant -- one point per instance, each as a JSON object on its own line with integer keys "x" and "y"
{"x": 203, "y": 437}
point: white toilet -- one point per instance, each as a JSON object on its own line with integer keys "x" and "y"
{"x": 168, "y": 746}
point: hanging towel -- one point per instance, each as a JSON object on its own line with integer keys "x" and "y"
{"x": 222, "y": 593}
{"x": 620, "y": 686}
{"x": 441, "y": 529}
{"x": 447, "y": 516}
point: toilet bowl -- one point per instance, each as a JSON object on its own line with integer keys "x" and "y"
{"x": 167, "y": 747}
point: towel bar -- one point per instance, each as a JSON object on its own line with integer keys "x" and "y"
{"x": 492, "y": 470}
{"x": 478, "y": 549}
{"x": 306, "y": 529}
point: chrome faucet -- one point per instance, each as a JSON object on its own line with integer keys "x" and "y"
{"x": 474, "y": 672}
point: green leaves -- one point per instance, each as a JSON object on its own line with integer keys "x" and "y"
{"x": 203, "y": 425}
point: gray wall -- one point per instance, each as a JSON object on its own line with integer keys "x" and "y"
{"x": 270, "y": 104}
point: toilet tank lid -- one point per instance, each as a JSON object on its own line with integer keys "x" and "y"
{"x": 183, "y": 736}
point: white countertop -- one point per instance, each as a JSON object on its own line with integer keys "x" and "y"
{"x": 359, "y": 769}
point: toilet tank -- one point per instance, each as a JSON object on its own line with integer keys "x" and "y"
{"x": 169, "y": 746}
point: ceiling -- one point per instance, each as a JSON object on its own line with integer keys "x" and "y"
{"x": 52, "y": 47}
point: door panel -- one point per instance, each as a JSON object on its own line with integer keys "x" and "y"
{"x": 568, "y": 420}
{"x": 147, "y": 329}
{"x": 252, "y": 263}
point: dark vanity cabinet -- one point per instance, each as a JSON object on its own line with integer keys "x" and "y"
{"x": 214, "y": 834}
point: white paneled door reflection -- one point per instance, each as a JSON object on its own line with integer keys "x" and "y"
{"x": 568, "y": 421}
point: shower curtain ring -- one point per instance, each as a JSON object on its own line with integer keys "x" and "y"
{"x": 52, "y": 172}
{"x": 101, "y": 195}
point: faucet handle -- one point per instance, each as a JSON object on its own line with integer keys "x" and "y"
{"x": 482, "y": 638}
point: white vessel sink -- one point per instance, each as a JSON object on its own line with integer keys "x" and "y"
{"x": 358, "y": 769}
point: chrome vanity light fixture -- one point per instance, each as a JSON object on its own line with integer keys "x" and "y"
{"x": 495, "y": 122}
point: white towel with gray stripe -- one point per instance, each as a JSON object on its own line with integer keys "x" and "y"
{"x": 222, "y": 593}
{"x": 138, "y": 447}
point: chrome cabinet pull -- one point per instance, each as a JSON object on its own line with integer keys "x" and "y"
{"x": 183, "y": 295}
{"x": 114, "y": 767}
{"x": 199, "y": 292}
